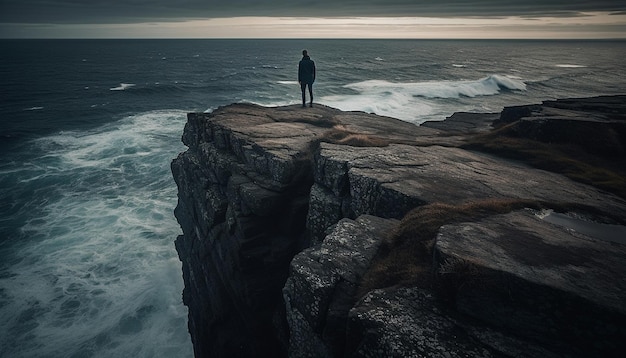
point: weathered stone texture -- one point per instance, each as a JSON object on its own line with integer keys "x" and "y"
{"x": 597, "y": 124}
{"x": 242, "y": 211}
{"x": 278, "y": 230}
{"x": 550, "y": 284}
{"x": 323, "y": 281}
{"x": 244, "y": 188}
{"x": 390, "y": 181}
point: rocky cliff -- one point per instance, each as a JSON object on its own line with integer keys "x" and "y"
{"x": 312, "y": 232}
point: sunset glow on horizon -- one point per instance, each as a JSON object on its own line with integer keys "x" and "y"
{"x": 589, "y": 26}
{"x": 402, "y": 19}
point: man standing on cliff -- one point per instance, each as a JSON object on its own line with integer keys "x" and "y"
{"x": 306, "y": 76}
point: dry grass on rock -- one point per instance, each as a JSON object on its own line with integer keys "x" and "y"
{"x": 406, "y": 257}
{"x": 340, "y": 135}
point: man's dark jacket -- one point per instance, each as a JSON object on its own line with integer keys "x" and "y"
{"x": 306, "y": 70}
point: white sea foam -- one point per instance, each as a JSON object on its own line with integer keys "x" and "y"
{"x": 442, "y": 89}
{"x": 570, "y": 66}
{"x": 287, "y": 82}
{"x": 33, "y": 108}
{"x": 122, "y": 87}
{"x": 97, "y": 273}
{"x": 413, "y": 101}
{"x": 393, "y": 104}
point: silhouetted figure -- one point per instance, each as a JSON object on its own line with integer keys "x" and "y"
{"x": 306, "y": 76}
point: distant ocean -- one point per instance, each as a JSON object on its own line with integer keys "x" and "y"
{"x": 88, "y": 129}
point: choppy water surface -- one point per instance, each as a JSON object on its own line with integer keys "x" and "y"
{"x": 88, "y": 129}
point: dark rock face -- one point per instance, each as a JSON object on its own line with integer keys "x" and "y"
{"x": 244, "y": 187}
{"x": 323, "y": 281}
{"x": 464, "y": 123}
{"x": 243, "y": 218}
{"x": 278, "y": 231}
{"x": 597, "y": 124}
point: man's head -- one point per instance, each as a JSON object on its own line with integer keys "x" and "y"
{"x": 305, "y": 53}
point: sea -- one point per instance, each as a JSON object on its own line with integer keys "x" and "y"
{"x": 88, "y": 129}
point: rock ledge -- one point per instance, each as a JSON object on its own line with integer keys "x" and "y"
{"x": 283, "y": 211}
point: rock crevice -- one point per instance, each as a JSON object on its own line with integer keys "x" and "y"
{"x": 283, "y": 211}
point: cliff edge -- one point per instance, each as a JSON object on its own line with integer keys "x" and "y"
{"x": 313, "y": 232}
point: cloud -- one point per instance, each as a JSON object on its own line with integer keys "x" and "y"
{"x": 130, "y": 11}
{"x": 312, "y": 18}
{"x": 592, "y": 26}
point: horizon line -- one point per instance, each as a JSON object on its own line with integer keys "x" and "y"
{"x": 327, "y": 38}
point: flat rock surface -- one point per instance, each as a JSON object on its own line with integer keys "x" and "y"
{"x": 420, "y": 163}
{"x": 522, "y": 244}
{"x": 544, "y": 281}
{"x": 452, "y": 175}
{"x": 292, "y": 127}
{"x": 464, "y": 123}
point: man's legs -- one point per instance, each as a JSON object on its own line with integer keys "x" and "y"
{"x": 303, "y": 89}
{"x": 311, "y": 93}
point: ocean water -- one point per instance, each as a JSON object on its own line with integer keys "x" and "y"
{"x": 88, "y": 129}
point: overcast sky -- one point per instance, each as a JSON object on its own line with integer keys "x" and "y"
{"x": 313, "y": 18}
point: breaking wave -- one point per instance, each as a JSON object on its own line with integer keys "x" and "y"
{"x": 122, "y": 87}
{"x": 487, "y": 86}
{"x": 93, "y": 271}
{"x": 414, "y": 101}
{"x": 570, "y": 66}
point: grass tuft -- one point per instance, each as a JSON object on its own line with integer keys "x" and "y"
{"x": 342, "y": 136}
{"x": 405, "y": 258}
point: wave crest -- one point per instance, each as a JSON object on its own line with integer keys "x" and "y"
{"x": 486, "y": 86}
{"x": 413, "y": 101}
{"x": 122, "y": 87}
